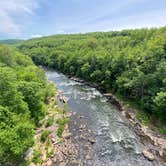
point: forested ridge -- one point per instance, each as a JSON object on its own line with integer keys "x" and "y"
{"x": 131, "y": 63}
{"x": 128, "y": 63}
{"x": 11, "y": 41}
{"x": 24, "y": 92}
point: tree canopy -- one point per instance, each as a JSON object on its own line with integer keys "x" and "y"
{"x": 23, "y": 93}
{"x": 131, "y": 63}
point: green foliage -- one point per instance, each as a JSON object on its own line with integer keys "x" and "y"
{"x": 143, "y": 116}
{"x": 60, "y": 130}
{"x": 23, "y": 92}
{"x": 44, "y": 135}
{"x": 49, "y": 149}
{"x": 11, "y": 41}
{"x": 129, "y": 62}
{"x": 9, "y": 95}
{"x": 160, "y": 104}
{"x": 49, "y": 154}
{"x": 37, "y": 157}
{"x": 33, "y": 96}
{"x": 6, "y": 56}
{"x": 16, "y": 133}
{"x": 163, "y": 131}
{"x": 22, "y": 60}
{"x": 49, "y": 92}
{"x": 50, "y": 121}
{"x": 61, "y": 122}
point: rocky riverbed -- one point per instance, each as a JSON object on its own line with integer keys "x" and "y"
{"x": 102, "y": 135}
{"x": 154, "y": 141}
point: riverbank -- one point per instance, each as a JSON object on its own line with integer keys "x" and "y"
{"x": 154, "y": 142}
{"x": 53, "y": 142}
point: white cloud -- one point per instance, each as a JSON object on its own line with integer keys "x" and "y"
{"x": 8, "y": 8}
{"x": 60, "y": 31}
{"x": 36, "y": 35}
{"x": 7, "y": 24}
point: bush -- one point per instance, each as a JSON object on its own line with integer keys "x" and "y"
{"x": 60, "y": 130}
{"x": 61, "y": 122}
{"x": 50, "y": 121}
{"x": 44, "y": 135}
{"x": 37, "y": 157}
{"x": 49, "y": 92}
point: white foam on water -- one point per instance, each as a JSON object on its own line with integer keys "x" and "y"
{"x": 103, "y": 100}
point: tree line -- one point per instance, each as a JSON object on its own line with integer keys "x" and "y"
{"x": 130, "y": 63}
{"x": 24, "y": 92}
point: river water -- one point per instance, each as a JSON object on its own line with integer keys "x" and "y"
{"x": 116, "y": 144}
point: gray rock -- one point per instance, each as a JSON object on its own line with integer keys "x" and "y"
{"x": 28, "y": 154}
{"x": 148, "y": 155}
{"x": 67, "y": 136}
{"x": 92, "y": 141}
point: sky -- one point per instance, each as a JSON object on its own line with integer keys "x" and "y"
{"x": 24, "y": 19}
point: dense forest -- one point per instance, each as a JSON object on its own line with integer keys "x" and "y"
{"x": 24, "y": 92}
{"x": 129, "y": 63}
{"x": 11, "y": 41}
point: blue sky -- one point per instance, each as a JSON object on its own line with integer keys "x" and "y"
{"x": 35, "y": 18}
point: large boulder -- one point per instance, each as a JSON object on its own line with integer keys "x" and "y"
{"x": 148, "y": 155}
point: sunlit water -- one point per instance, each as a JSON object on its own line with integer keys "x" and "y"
{"x": 116, "y": 143}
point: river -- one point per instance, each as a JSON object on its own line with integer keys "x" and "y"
{"x": 115, "y": 142}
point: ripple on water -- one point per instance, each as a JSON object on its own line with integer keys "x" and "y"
{"x": 116, "y": 144}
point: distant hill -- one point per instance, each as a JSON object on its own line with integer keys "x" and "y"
{"x": 11, "y": 41}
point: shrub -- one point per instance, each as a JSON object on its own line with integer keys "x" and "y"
{"x": 37, "y": 157}
{"x": 44, "y": 135}
{"x": 61, "y": 122}
{"x": 50, "y": 121}
{"x": 60, "y": 130}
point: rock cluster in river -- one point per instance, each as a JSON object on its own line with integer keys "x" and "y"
{"x": 66, "y": 152}
{"x": 158, "y": 143}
